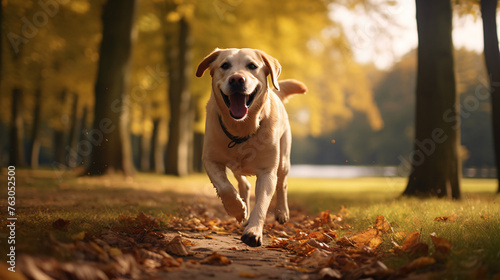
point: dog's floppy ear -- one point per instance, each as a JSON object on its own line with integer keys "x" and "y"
{"x": 274, "y": 68}
{"x": 207, "y": 61}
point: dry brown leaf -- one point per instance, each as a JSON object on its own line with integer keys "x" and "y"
{"x": 216, "y": 259}
{"x": 412, "y": 245}
{"x": 124, "y": 264}
{"x": 61, "y": 224}
{"x": 324, "y": 236}
{"x": 84, "y": 271}
{"x": 418, "y": 263}
{"x": 177, "y": 247}
{"x": 168, "y": 260}
{"x": 318, "y": 244}
{"x": 442, "y": 246}
{"x": 366, "y": 238}
{"x": 446, "y": 218}
{"x": 329, "y": 273}
{"x": 239, "y": 249}
{"x": 115, "y": 252}
{"x": 79, "y": 236}
{"x": 382, "y": 224}
{"x": 29, "y": 268}
{"x": 249, "y": 275}
{"x": 149, "y": 259}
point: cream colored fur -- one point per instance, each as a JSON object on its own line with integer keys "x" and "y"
{"x": 266, "y": 153}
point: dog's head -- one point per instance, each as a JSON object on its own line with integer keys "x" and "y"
{"x": 239, "y": 78}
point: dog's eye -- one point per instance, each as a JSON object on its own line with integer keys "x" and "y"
{"x": 251, "y": 66}
{"x": 225, "y": 66}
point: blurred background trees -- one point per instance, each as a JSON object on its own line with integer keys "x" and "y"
{"x": 50, "y": 55}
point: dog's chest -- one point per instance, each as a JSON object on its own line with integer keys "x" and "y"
{"x": 260, "y": 151}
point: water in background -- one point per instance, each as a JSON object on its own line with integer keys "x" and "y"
{"x": 352, "y": 171}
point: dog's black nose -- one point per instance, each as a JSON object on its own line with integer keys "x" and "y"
{"x": 236, "y": 80}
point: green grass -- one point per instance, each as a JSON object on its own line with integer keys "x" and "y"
{"x": 475, "y": 234}
{"x": 93, "y": 204}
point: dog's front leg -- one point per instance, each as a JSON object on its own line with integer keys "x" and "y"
{"x": 264, "y": 190}
{"x": 230, "y": 198}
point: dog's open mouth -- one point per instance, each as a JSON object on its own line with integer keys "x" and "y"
{"x": 239, "y": 103}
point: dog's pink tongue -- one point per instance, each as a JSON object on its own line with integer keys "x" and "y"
{"x": 238, "y": 105}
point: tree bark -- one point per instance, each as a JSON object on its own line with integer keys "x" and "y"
{"x": 180, "y": 125}
{"x": 35, "y": 133}
{"x": 436, "y": 167}
{"x": 112, "y": 151}
{"x": 84, "y": 147}
{"x": 492, "y": 59}
{"x": 157, "y": 152}
{"x": 61, "y": 134}
{"x": 145, "y": 140}
{"x": 16, "y": 156}
{"x": 72, "y": 154}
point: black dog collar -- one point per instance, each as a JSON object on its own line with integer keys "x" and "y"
{"x": 234, "y": 139}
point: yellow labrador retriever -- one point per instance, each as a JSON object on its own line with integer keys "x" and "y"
{"x": 247, "y": 130}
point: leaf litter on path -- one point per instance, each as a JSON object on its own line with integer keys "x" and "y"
{"x": 199, "y": 243}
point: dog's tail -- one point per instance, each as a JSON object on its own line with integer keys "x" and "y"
{"x": 289, "y": 87}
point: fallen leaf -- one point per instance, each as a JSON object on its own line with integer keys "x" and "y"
{"x": 445, "y": 218}
{"x": 443, "y": 247}
{"x": 149, "y": 259}
{"x": 412, "y": 245}
{"x": 318, "y": 244}
{"x": 239, "y": 249}
{"x": 115, "y": 252}
{"x": 61, "y": 224}
{"x": 366, "y": 238}
{"x": 329, "y": 273}
{"x": 216, "y": 259}
{"x": 177, "y": 247}
{"x": 324, "y": 236}
{"x": 417, "y": 264}
{"x": 29, "y": 268}
{"x": 79, "y": 236}
{"x": 249, "y": 275}
{"x": 168, "y": 260}
{"x": 382, "y": 224}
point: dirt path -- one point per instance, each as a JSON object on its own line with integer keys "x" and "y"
{"x": 247, "y": 262}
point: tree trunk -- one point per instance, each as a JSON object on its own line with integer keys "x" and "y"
{"x": 157, "y": 153}
{"x": 198, "y": 151}
{"x": 84, "y": 147}
{"x": 492, "y": 59}
{"x": 110, "y": 135}
{"x": 60, "y": 134}
{"x": 145, "y": 140}
{"x": 436, "y": 166}
{"x": 16, "y": 157}
{"x": 72, "y": 151}
{"x": 179, "y": 129}
{"x": 35, "y": 134}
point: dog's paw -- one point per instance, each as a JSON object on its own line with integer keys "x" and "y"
{"x": 252, "y": 239}
{"x": 236, "y": 208}
{"x": 282, "y": 216}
